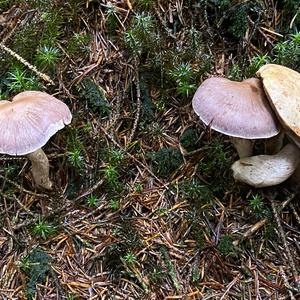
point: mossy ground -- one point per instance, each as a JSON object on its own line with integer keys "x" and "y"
{"x": 144, "y": 205}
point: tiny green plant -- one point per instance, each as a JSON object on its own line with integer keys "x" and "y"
{"x": 116, "y": 157}
{"x": 75, "y": 158}
{"x": 295, "y": 38}
{"x": 236, "y": 73}
{"x": 183, "y": 75}
{"x": 111, "y": 174}
{"x": 287, "y": 52}
{"x": 217, "y": 158}
{"x": 71, "y": 297}
{"x": 24, "y": 264}
{"x": 43, "y": 229}
{"x": 115, "y": 203}
{"x": 194, "y": 191}
{"x": 256, "y": 62}
{"x": 130, "y": 258}
{"x": 138, "y": 187}
{"x": 18, "y": 81}
{"x": 257, "y": 207}
{"x": 47, "y": 56}
{"x": 141, "y": 36}
{"x": 92, "y": 200}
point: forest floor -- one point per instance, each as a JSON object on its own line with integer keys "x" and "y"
{"x": 143, "y": 205}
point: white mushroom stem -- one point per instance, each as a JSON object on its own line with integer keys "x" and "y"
{"x": 267, "y": 170}
{"x": 244, "y": 147}
{"x": 40, "y": 169}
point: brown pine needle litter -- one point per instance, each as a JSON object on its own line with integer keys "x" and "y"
{"x": 144, "y": 205}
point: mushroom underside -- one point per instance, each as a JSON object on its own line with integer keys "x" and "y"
{"x": 267, "y": 170}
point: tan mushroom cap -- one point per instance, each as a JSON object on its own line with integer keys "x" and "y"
{"x": 282, "y": 86}
{"x": 238, "y": 109}
{"x": 29, "y": 120}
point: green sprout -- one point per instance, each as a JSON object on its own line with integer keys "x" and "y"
{"x": 75, "y": 158}
{"x": 111, "y": 174}
{"x": 43, "y": 229}
{"x": 92, "y": 200}
{"x": 19, "y": 81}
{"x": 141, "y": 37}
{"x": 115, "y": 204}
{"x": 257, "y": 207}
{"x": 182, "y": 75}
{"x": 257, "y": 62}
{"x": 116, "y": 157}
{"x": 47, "y": 56}
{"x": 130, "y": 258}
{"x": 295, "y": 38}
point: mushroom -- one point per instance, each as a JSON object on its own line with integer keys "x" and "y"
{"x": 267, "y": 170}
{"x": 26, "y": 124}
{"x": 281, "y": 85}
{"x": 237, "y": 109}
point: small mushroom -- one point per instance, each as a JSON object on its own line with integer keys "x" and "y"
{"x": 267, "y": 170}
{"x": 237, "y": 109}
{"x": 26, "y": 124}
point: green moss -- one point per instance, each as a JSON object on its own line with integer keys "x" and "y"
{"x": 141, "y": 36}
{"x": 35, "y": 265}
{"x": 196, "y": 193}
{"x": 170, "y": 268}
{"x": 189, "y": 140}
{"x": 95, "y": 97}
{"x": 226, "y": 246}
{"x": 165, "y": 161}
{"x": 78, "y": 44}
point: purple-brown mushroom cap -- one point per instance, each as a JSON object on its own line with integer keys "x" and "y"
{"x": 237, "y": 109}
{"x": 29, "y": 120}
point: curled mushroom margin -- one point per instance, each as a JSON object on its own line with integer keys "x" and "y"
{"x": 267, "y": 170}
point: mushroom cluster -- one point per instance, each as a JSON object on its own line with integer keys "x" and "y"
{"x": 255, "y": 108}
{"x": 26, "y": 124}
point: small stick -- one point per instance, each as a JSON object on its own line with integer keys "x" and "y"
{"x": 287, "y": 249}
{"x": 262, "y": 222}
{"x": 286, "y": 282}
{"x": 22, "y": 189}
{"x": 138, "y": 108}
{"x": 27, "y": 64}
